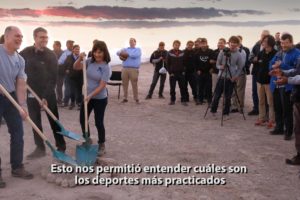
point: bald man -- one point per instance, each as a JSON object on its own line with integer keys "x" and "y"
{"x": 13, "y": 79}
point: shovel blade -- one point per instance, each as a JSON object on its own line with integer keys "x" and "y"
{"x": 64, "y": 158}
{"x": 71, "y": 135}
{"x": 86, "y": 154}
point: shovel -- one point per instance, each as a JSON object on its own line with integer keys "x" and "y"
{"x": 63, "y": 131}
{"x": 56, "y": 154}
{"x": 86, "y": 154}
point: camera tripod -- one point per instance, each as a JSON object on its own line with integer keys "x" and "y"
{"x": 227, "y": 71}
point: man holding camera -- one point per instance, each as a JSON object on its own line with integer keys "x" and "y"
{"x": 230, "y": 63}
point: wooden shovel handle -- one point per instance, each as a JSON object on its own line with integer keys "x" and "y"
{"x": 85, "y": 96}
{"x": 19, "y": 108}
{"x": 40, "y": 102}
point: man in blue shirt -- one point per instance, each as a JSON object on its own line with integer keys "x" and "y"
{"x": 285, "y": 59}
{"x": 130, "y": 71}
{"x": 13, "y": 79}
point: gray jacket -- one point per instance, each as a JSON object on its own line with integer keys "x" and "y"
{"x": 235, "y": 63}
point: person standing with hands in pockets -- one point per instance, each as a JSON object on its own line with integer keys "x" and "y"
{"x": 98, "y": 73}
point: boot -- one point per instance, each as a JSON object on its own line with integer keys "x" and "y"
{"x": 37, "y": 153}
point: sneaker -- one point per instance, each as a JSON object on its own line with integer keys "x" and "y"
{"x": 124, "y": 101}
{"x": 2, "y": 183}
{"x": 21, "y": 173}
{"x": 184, "y": 103}
{"x": 287, "y": 137}
{"x": 101, "y": 150}
{"x": 270, "y": 125}
{"x": 259, "y": 123}
{"x": 161, "y": 97}
{"x": 71, "y": 106}
{"x": 293, "y": 161}
{"x": 253, "y": 112}
{"x": 148, "y": 97}
{"x": 172, "y": 103}
{"x": 226, "y": 117}
{"x": 276, "y": 132}
{"x": 37, "y": 153}
{"x": 234, "y": 110}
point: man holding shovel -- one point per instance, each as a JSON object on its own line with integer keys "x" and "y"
{"x": 41, "y": 68}
{"x": 13, "y": 79}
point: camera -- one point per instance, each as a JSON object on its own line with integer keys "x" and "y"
{"x": 226, "y": 52}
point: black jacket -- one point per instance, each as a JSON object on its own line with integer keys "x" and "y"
{"x": 254, "y": 53}
{"x": 156, "y": 55}
{"x": 264, "y": 58}
{"x": 73, "y": 74}
{"x": 189, "y": 61}
{"x": 41, "y": 68}
{"x": 175, "y": 61}
{"x": 202, "y": 60}
{"x": 247, "y": 62}
{"x": 215, "y": 57}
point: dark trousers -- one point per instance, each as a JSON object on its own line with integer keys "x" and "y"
{"x": 70, "y": 90}
{"x": 297, "y": 125}
{"x": 178, "y": 77}
{"x": 34, "y": 110}
{"x": 254, "y": 93}
{"x": 204, "y": 87}
{"x": 15, "y": 129}
{"x": 59, "y": 85}
{"x": 99, "y": 106}
{"x": 218, "y": 93}
{"x": 190, "y": 79}
{"x": 283, "y": 110}
{"x": 78, "y": 91}
{"x": 155, "y": 78}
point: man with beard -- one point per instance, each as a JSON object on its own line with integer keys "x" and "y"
{"x": 203, "y": 62}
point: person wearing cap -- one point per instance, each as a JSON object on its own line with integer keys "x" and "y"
{"x": 158, "y": 59}
{"x": 13, "y": 79}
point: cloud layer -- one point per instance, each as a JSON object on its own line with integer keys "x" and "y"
{"x": 117, "y": 13}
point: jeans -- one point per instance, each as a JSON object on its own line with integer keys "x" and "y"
{"x": 99, "y": 106}
{"x": 59, "y": 85}
{"x": 218, "y": 93}
{"x": 34, "y": 110}
{"x": 15, "y": 129}
{"x": 190, "y": 79}
{"x": 155, "y": 78}
{"x": 204, "y": 87}
{"x": 70, "y": 90}
{"x": 254, "y": 93}
{"x": 178, "y": 77}
{"x": 283, "y": 110}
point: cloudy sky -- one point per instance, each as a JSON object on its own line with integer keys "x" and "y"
{"x": 152, "y": 20}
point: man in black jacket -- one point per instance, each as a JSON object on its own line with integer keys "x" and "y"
{"x": 158, "y": 59}
{"x": 41, "y": 68}
{"x": 253, "y": 59}
{"x": 189, "y": 63}
{"x": 204, "y": 63}
{"x": 175, "y": 67}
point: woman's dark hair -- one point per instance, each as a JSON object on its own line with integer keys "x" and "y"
{"x": 2, "y": 39}
{"x": 101, "y": 46}
{"x": 270, "y": 40}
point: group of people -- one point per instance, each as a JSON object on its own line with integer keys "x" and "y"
{"x": 208, "y": 73}
{"x": 37, "y": 66}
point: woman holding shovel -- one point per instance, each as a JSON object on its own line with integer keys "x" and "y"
{"x": 98, "y": 73}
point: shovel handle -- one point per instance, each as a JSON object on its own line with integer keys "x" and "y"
{"x": 40, "y": 102}
{"x": 19, "y": 108}
{"x": 85, "y": 96}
